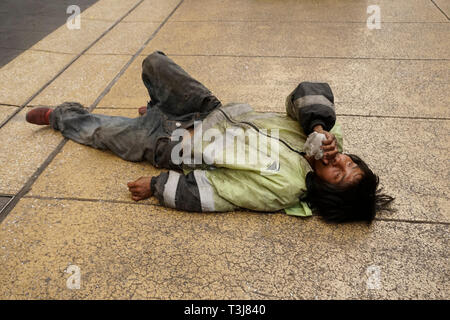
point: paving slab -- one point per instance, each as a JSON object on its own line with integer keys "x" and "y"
{"x": 129, "y": 91}
{"x": 6, "y": 111}
{"x": 125, "y": 38}
{"x": 141, "y": 251}
{"x": 108, "y": 9}
{"x": 368, "y": 87}
{"x": 444, "y": 6}
{"x": 309, "y": 10}
{"x": 411, "y": 157}
{"x": 7, "y": 55}
{"x": 152, "y": 10}
{"x": 79, "y": 211}
{"x": 24, "y": 148}
{"x": 355, "y": 40}
{"x": 82, "y": 172}
{"x": 27, "y": 73}
{"x": 83, "y": 81}
{"x": 73, "y": 41}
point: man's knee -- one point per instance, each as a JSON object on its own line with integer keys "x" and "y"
{"x": 153, "y": 59}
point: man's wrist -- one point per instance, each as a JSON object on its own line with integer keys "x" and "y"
{"x": 318, "y": 128}
{"x": 153, "y": 181}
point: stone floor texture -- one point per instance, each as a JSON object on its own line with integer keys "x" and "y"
{"x": 70, "y": 205}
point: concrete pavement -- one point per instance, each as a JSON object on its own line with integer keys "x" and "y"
{"x": 70, "y": 204}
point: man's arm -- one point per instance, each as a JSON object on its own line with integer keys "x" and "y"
{"x": 312, "y": 104}
{"x": 191, "y": 192}
{"x": 329, "y": 146}
{"x": 247, "y": 189}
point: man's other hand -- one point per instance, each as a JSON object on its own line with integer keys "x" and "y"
{"x": 140, "y": 189}
{"x": 329, "y": 146}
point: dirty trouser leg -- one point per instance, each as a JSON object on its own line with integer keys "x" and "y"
{"x": 173, "y": 90}
{"x": 174, "y": 93}
{"x": 174, "y": 96}
{"x": 131, "y": 139}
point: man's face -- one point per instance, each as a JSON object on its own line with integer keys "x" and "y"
{"x": 340, "y": 171}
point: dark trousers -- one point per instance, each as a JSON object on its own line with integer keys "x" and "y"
{"x": 176, "y": 100}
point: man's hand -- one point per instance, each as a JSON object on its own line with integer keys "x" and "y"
{"x": 329, "y": 146}
{"x": 140, "y": 189}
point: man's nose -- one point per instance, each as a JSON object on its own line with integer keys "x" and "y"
{"x": 337, "y": 159}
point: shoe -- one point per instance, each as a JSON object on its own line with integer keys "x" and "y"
{"x": 40, "y": 116}
{"x": 142, "y": 110}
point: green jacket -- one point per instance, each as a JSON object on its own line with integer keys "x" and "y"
{"x": 225, "y": 179}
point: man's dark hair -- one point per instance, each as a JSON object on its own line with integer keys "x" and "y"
{"x": 357, "y": 202}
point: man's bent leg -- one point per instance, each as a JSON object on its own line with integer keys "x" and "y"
{"x": 173, "y": 90}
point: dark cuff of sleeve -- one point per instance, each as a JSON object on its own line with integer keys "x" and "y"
{"x": 315, "y": 123}
{"x": 153, "y": 184}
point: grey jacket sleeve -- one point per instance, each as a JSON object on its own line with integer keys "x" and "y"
{"x": 176, "y": 190}
{"x": 191, "y": 192}
{"x": 312, "y": 104}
